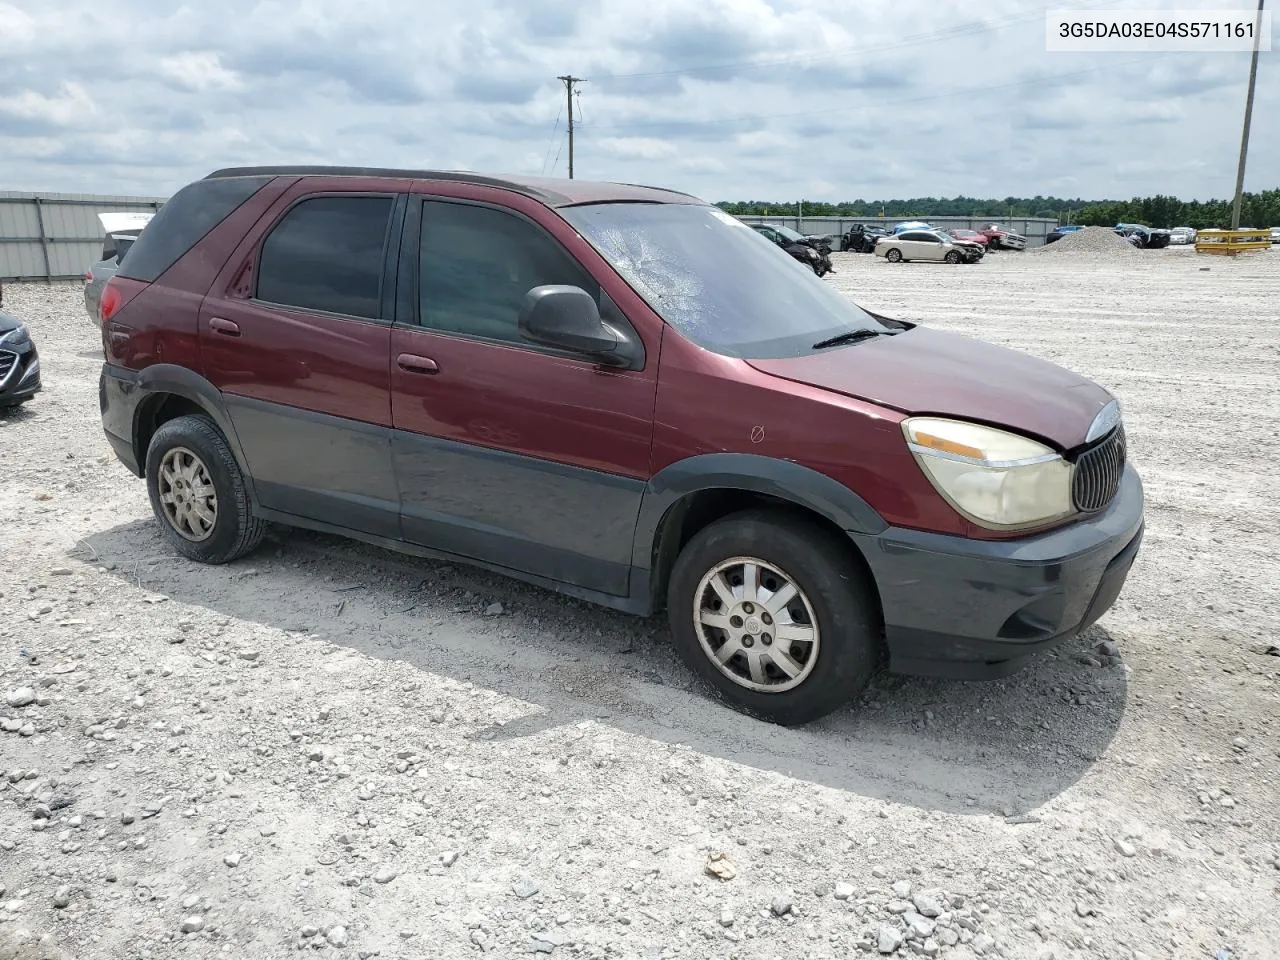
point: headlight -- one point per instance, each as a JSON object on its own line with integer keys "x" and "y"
{"x": 17, "y": 337}
{"x": 811, "y": 253}
{"x": 995, "y": 478}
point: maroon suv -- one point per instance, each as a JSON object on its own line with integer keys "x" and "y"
{"x": 623, "y": 394}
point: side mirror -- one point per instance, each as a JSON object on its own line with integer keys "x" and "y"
{"x": 559, "y": 315}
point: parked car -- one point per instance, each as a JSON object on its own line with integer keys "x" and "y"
{"x": 972, "y": 236}
{"x": 121, "y": 230}
{"x": 1275, "y": 234}
{"x": 1002, "y": 238}
{"x": 927, "y": 245}
{"x": 19, "y": 361}
{"x": 809, "y": 251}
{"x": 622, "y": 394}
{"x": 861, "y": 237}
{"x": 1181, "y": 236}
{"x": 1146, "y": 237}
{"x": 1057, "y": 233}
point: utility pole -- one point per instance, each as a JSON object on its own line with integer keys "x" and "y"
{"x": 1248, "y": 117}
{"x": 569, "y": 80}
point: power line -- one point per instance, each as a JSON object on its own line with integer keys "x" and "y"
{"x": 554, "y": 127}
{"x": 949, "y": 33}
{"x": 964, "y": 91}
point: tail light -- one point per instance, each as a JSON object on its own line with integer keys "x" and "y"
{"x": 111, "y": 301}
{"x": 88, "y": 275}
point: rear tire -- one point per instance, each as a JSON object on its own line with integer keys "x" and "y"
{"x": 794, "y": 680}
{"x": 199, "y": 494}
{"x": 894, "y": 255}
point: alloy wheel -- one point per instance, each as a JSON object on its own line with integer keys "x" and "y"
{"x": 755, "y": 625}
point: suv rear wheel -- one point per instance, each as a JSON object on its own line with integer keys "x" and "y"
{"x": 773, "y": 613}
{"x": 198, "y": 493}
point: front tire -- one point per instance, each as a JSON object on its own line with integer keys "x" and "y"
{"x": 775, "y": 615}
{"x": 199, "y": 494}
{"x": 952, "y": 257}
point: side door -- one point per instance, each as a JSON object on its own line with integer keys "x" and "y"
{"x": 508, "y": 452}
{"x": 296, "y": 334}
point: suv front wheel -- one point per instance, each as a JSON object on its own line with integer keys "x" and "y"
{"x": 774, "y": 614}
{"x": 198, "y": 492}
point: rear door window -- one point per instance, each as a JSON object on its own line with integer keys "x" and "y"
{"x": 328, "y": 254}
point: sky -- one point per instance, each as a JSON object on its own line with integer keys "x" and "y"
{"x": 725, "y": 99}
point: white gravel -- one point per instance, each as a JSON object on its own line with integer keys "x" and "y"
{"x": 1090, "y": 240}
{"x": 333, "y": 748}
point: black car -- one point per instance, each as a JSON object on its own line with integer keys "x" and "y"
{"x": 861, "y": 237}
{"x": 810, "y": 251}
{"x": 19, "y": 363}
{"x": 1147, "y": 238}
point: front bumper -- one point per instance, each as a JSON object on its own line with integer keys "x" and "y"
{"x": 19, "y": 374}
{"x": 978, "y": 609}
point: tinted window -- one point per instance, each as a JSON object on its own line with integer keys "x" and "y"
{"x": 715, "y": 280}
{"x": 477, "y": 265}
{"x": 916, "y": 235}
{"x": 183, "y": 222}
{"x": 327, "y": 254}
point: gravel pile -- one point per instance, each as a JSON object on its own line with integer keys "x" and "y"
{"x": 1090, "y": 240}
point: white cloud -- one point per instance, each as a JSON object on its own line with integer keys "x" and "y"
{"x": 72, "y": 104}
{"x": 199, "y": 71}
{"x": 643, "y": 148}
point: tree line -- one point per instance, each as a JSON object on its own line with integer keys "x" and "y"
{"x": 1257, "y": 209}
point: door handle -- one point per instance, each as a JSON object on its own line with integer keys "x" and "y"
{"x": 224, "y": 327}
{"x": 410, "y": 363}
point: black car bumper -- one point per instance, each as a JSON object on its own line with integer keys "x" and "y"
{"x": 118, "y": 398}
{"x": 978, "y": 609}
{"x": 19, "y": 373}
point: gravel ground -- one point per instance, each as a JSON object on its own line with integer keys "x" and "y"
{"x": 327, "y": 747}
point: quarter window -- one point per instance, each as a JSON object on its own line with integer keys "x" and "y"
{"x": 327, "y": 253}
{"x": 477, "y": 264}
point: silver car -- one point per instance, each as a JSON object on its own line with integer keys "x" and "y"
{"x": 1181, "y": 236}
{"x": 120, "y": 229}
{"x": 925, "y": 245}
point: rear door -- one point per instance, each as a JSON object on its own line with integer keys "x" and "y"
{"x": 296, "y": 335}
{"x": 508, "y": 452}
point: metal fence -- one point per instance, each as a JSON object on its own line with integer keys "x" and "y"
{"x": 56, "y": 236}
{"x": 1033, "y": 228}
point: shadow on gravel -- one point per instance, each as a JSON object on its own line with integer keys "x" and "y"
{"x": 1002, "y": 747}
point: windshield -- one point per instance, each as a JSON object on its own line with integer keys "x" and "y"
{"x": 789, "y": 233}
{"x": 717, "y": 281}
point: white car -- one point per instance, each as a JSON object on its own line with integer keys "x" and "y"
{"x": 1181, "y": 236}
{"x": 926, "y": 245}
{"x": 1275, "y": 234}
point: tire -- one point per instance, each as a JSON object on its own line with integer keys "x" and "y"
{"x": 833, "y": 596}
{"x": 894, "y": 255}
{"x": 197, "y": 458}
{"x": 952, "y": 256}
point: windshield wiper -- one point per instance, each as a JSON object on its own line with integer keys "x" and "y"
{"x": 852, "y": 336}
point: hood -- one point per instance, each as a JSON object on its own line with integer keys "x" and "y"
{"x": 922, "y": 371}
{"x": 9, "y": 322}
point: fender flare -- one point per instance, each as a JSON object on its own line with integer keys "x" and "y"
{"x": 783, "y": 479}
{"x": 168, "y": 378}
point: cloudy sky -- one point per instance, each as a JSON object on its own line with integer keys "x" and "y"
{"x": 727, "y": 99}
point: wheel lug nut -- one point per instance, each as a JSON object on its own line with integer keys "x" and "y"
{"x": 748, "y": 642}
{"x": 766, "y": 618}
{"x": 748, "y": 608}
{"x": 766, "y": 639}
{"x": 735, "y": 621}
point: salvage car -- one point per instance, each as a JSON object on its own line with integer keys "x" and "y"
{"x": 1002, "y": 238}
{"x": 19, "y": 362}
{"x": 1143, "y": 236}
{"x": 970, "y": 236}
{"x": 861, "y": 237}
{"x": 121, "y": 229}
{"x": 813, "y": 252}
{"x": 623, "y": 394}
{"x": 927, "y": 245}
{"x": 1057, "y": 233}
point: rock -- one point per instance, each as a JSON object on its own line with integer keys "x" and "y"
{"x": 449, "y": 858}
{"x": 844, "y": 891}
{"x": 21, "y": 697}
{"x": 781, "y": 906}
{"x": 337, "y": 936}
{"x": 494, "y": 610}
{"x": 879, "y": 872}
{"x": 62, "y": 897}
{"x": 930, "y": 948}
{"x": 726, "y": 917}
{"x": 948, "y": 937}
{"x": 983, "y": 943}
{"x": 480, "y": 940}
{"x": 248, "y": 654}
{"x": 384, "y": 875}
{"x": 902, "y": 889}
{"x": 897, "y": 907}
{"x": 309, "y": 931}
{"x": 1240, "y": 743}
{"x": 1107, "y": 648}
{"x": 1125, "y": 848}
{"x": 926, "y": 905}
{"x": 1083, "y": 909}
{"x": 524, "y": 888}
{"x": 193, "y": 923}
{"x": 889, "y": 939}
{"x": 719, "y": 866}
{"x": 232, "y": 859}
{"x": 921, "y": 927}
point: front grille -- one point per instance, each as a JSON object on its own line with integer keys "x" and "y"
{"x": 1098, "y": 472}
{"x": 7, "y": 362}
